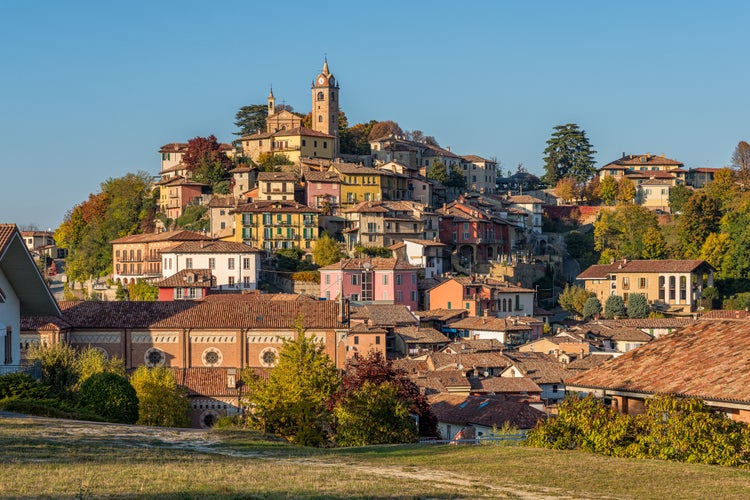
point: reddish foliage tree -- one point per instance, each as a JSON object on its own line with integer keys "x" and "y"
{"x": 203, "y": 150}
{"x": 376, "y": 369}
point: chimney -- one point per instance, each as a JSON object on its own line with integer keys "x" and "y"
{"x": 583, "y": 352}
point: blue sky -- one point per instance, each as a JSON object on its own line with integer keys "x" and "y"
{"x": 91, "y": 90}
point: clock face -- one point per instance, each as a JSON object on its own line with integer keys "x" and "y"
{"x": 321, "y": 80}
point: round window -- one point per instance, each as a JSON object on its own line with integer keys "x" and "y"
{"x": 269, "y": 357}
{"x": 154, "y": 357}
{"x": 212, "y": 357}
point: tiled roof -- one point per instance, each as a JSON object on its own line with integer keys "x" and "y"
{"x": 426, "y": 243}
{"x": 539, "y": 367}
{"x": 490, "y": 324}
{"x": 524, "y": 199}
{"x": 626, "y": 334}
{"x": 644, "y": 160}
{"x": 441, "y": 314}
{"x": 657, "y": 182}
{"x": 644, "y": 323}
{"x": 202, "y": 314}
{"x": 375, "y": 263}
{"x": 177, "y": 235}
{"x": 315, "y": 176}
{"x": 653, "y": 174}
{"x": 173, "y": 147}
{"x": 188, "y": 278}
{"x": 367, "y": 207}
{"x": 6, "y": 234}
{"x": 366, "y": 329}
{"x": 222, "y": 201}
{"x": 355, "y": 169}
{"x": 444, "y": 380}
{"x": 485, "y": 411}
{"x": 207, "y": 382}
{"x": 212, "y": 247}
{"x": 589, "y": 361}
{"x": 421, "y": 335}
{"x": 502, "y": 286}
{"x": 274, "y": 206}
{"x": 476, "y": 159}
{"x": 504, "y": 385}
{"x": 384, "y": 315}
{"x": 243, "y": 168}
{"x": 709, "y": 360}
{"x": 410, "y": 366}
{"x": 303, "y": 131}
{"x": 442, "y": 360}
{"x": 600, "y": 271}
{"x": 276, "y": 176}
{"x": 43, "y": 323}
{"x": 726, "y": 314}
{"x": 476, "y": 345}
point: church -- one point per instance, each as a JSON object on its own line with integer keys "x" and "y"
{"x": 285, "y": 133}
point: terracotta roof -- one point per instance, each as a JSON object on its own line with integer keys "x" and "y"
{"x": 410, "y": 366}
{"x": 366, "y": 329}
{"x": 201, "y": 314}
{"x": 178, "y": 235}
{"x": 484, "y": 411}
{"x": 626, "y": 334}
{"x": 307, "y": 132}
{"x": 657, "y": 182}
{"x": 207, "y": 382}
{"x": 491, "y": 324}
{"x": 441, "y": 314}
{"x": 539, "y": 367}
{"x": 6, "y": 235}
{"x": 315, "y": 176}
{"x": 639, "y": 160}
{"x": 173, "y": 147}
{"x": 444, "y": 380}
{"x": 502, "y": 286}
{"x": 188, "y": 278}
{"x": 524, "y": 199}
{"x": 384, "y": 315}
{"x": 709, "y": 360}
{"x": 600, "y": 271}
{"x": 43, "y": 323}
{"x": 590, "y": 361}
{"x": 222, "y": 201}
{"x": 501, "y": 385}
{"x": 355, "y": 169}
{"x": 421, "y": 335}
{"x": 475, "y": 345}
{"x": 276, "y": 176}
{"x": 375, "y": 263}
{"x": 243, "y": 168}
{"x": 726, "y": 314}
{"x": 476, "y": 159}
{"x": 442, "y": 360}
{"x": 212, "y": 247}
{"x": 367, "y": 207}
{"x": 426, "y": 243}
{"x": 644, "y": 323}
{"x": 274, "y": 206}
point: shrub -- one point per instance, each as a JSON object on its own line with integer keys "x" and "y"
{"x": 614, "y": 307}
{"x": 52, "y": 408}
{"x": 591, "y": 308}
{"x": 638, "y": 306}
{"x": 110, "y": 396}
{"x": 22, "y": 385}
{"x": 59, "y": 369}
{"x": 160, "y": 400}
{"x": 307, "y": 276}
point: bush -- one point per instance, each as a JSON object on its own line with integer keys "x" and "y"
{"x": 22, "y": 385}
{"x": 59, "y": 369}
{"x": 638, "y": 306}
{"x": 160, "y": 400}
{"x": 614, "y": 307}
{"x": 52, "y": 408}
{"x": 110, "y": 396}
{"x": 591, "y": 308}
{"x": 307, "y": 276}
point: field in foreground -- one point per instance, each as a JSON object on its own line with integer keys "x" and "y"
{"x": 56, "y": 458}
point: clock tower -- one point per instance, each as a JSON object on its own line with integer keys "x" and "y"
{"x": 325, "y": 105}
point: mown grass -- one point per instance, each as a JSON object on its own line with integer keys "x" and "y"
{"x": 53, "y": 458}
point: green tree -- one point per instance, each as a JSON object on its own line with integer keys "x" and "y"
{"x": 160, "y": 400}
{"x": 438, "y": 172}
{"x": 716, "y": 250}
{"x": 251, "y": 119}
{"x": 355, "y": 142}
{"x": 711, "y": 297}
{"x": 142, "y": 290}
{"x": 194, "y": 218}
{"x": 455, "y": 179}
{"x": 270, "y": 162}
{"x": 638, "y": 306}
{"x": 293, "y": 403}
{"x": 724, "y": 190}
{"x": 678, "y": 196}
{"x": 374, "y": 415}
{"x": 614, "y": 307}
{"x": 568, "y": 189}
{"x": 700, "y": 217}
{"x": 327, "y": 250}
{"x": 110, "y": 396}
{"x": 91, "y": 361}
{"x": 622, "y": 232}
{"x": 573, "y": 298}
{"x": 625, "y": 190}
{"x": 568, "y": 154}
{"x": 591, "y": 308}
{"x": 736, "y": 261}
{"x": 59, "y": 366}
{"x": 608, "y": 189}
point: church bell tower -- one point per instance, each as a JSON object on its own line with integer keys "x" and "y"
{"x": 325, "y": 105}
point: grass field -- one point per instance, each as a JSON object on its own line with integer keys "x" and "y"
{"x": 55, "y": 458}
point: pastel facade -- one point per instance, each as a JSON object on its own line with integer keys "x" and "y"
{"x": 482, "y": 297}
{"x": 272, "y": 225}
{"x": 323, "y": 191}
{"x": 375, "y": 280}
{"x": 276, "y": 186}
{"x": 234, "y": 266}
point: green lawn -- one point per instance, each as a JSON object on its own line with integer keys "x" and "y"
{"x": 54, "y": 458}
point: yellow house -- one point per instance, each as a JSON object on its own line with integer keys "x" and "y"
{"x": 677, "y": 284}
{"x": 654, "y": 193}
{"x": 359, "y": 183}
{"x": 294, "y": 143}
{"x": 273, "y": 225}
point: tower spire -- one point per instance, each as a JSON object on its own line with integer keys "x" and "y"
{"x": 325, "y": 65}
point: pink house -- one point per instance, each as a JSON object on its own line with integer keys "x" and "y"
{"x": 372, "y": 280}
{"x": 323, "y": 191}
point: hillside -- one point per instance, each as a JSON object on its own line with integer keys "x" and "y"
{"x": 45, "y": 457}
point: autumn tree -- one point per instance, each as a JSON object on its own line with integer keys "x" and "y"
{"x": 567, "y": 189}
{"x": 608, "y": 189}
{"x": 376, "y": 370}
{"x": 625, "y": 190}
{"x": 678, "y": 196}
{"x": 206, "y": 161}
{"x": 622, "y": 232}
{"x": 327, "y": 250}
{"x": 573, "y": 298}
{"x": 568, "y": 154}
{"x": 741, "y": 162}
{"x": 723, "y": 189}
{"x": 251, "y": 119}
{"x": 294, "y": 402}
{"x": 654, "y": 245}
{"x": 384, "y": 129}
{"x": 160, "y": 400}
{"x": 700, "y": 217}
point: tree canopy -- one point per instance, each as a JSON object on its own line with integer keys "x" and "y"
{"x": 251, "y": 119}
{"x": 614, "y": 307}
{"x": 438, "y": 172}
{"x": 622, "y": 232}
{"x": 160, "y": 400}
{"x": 568, "y": 154}
{"x": 327, "y": 250}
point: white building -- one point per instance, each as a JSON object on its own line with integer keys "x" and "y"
{"x": 236, "y": 266}
{"x": 427, "y": 254}
{"x": 22, "y": 292}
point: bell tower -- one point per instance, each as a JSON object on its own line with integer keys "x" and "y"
{"x": 325, "y": 105}
{"x": 271, "y": 103}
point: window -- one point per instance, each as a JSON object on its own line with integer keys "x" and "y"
{"x": 230, "y": 263}
{"x": 642, "y": 282}
{"x": 325, "y": 144}
{"x": 385, "y": 279}
{"x": 356, "y": 339}
{"x": 189, "y": 263}
{"x": 468, "y": 305}
{"x": 413, "y": 296}
{"x": 320, "y": 118}
{"x": 625, "y": 283}
{"x": 355, "y": 279}
{"x": 246, "y": 263}
{"x": 223, "y": 225}
{"x": 399, "y": 296}
{"x": 320, "y": 96}
{"x": 246, "y": 281}
{"x": 231, "y": 281}
{"x": 413, "y": 279}
{"x": 398, "y": 279}
{"x": 449, "y": 305}
{"x": 8, "y": 346}
{"x": 554, "y": 388}
{"x": 304, "y": 142}
{"x": 328, "y": 279}
{"x": 377, "y": 339}
{"x": 354, "y": 297}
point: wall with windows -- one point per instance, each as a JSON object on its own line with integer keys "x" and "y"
{"x": 231, "y": 271}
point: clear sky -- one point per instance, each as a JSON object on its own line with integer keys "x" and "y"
{"x": 91, "y": 90}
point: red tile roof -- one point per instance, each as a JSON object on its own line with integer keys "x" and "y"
{"x": 645, "y": 160}
{"x": 485, "y": 411}
{"x": 539, "y": 367}
{"x": 384, "y": 315}
{"x": 421, "y": 335}
{"x": 600, "y": 271}
{"x": 276, "y": 176}
{"x": 709, "y": 360}
{"x": 6, "y": 235}
{"x": 207, "y": 382}
{"x": 212, "y": 247}
{"x": 376, "y": 263}
{"x": 178, "y": 235}
{"x": 492, "y": 324}
{"x": 275, "y": 206}
{"x": 501, "y": 385}
{"x": 726, "y": 314}
{"x": 188, "y": 278}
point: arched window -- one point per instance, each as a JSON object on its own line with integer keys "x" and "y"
{"x": 320, "y": 118}
{"x": 333, "y": 96}
{"x": 321, "y": 97}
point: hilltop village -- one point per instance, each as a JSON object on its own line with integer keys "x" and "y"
{"x": 496, "y": 291}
